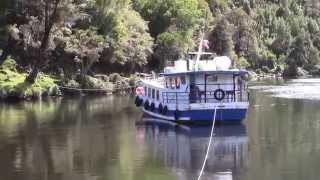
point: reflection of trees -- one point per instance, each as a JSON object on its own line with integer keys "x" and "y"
{"x": 284, "y": 136}
{"x": 78, "y": 139}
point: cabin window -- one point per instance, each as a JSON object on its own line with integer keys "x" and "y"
{"x": 212, "y": 78}
{"x": 158, "y": 95}
{"x": 178, "y": 82}
{"x": 145, "y": 91}
{"x": 168, "y": 82}
{"x": 153, "y": 93}
{"x": 149, "y": 92}
{"x": 183, "y": 80}
{"x": 172, "y": 83}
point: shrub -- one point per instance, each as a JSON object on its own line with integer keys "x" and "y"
{"x": 115, "y": 77}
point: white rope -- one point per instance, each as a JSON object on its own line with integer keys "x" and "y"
{"x": 80, "y": 89}
{"x": 209, "y": 144}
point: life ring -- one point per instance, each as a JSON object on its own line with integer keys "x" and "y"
{"x": 146, "y": 105}
{"x": 160, "y": 108}
{"x": 165, "y": 110}
{"x": 219, "y": 94}
{"x": 152, "y": 107}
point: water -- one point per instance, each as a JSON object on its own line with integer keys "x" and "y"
{"x": 104, "y": 139}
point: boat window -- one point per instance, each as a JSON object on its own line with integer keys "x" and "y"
{"x": 153, "y": 93}
{"x": 183, "y": 80}
{"x": 168, "y": 82}
{"x": 149, "y": 92}
{"x": 172, "y": 83}
{"x": 145, "y": 91}
{"x": 157, "y": 94}
{"x": 178, "y": 82}
{"x": 212, "y": 78}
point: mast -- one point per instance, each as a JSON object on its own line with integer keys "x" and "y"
{"x": 196, "y": 65}
{"x": 200, "y": 48}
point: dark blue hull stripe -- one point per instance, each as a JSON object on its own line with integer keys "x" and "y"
{"x": 226, "y": 115}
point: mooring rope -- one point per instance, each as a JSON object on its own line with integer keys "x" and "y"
{"x": 81, "y": 89}
{"x": 209, "y": 144}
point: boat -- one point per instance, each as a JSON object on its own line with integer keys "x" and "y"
{"x": 194, "y": 89}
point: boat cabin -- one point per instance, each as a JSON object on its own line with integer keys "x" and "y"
{"x": 205, "y": 87}
{"x": 203, "y": 81}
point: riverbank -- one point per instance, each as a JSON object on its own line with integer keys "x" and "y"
{"x": 13, "y": 86}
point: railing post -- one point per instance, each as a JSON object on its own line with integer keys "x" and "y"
{"x": 177, "y": 99}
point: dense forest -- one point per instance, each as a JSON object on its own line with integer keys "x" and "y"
{"x": 88, "y": 43}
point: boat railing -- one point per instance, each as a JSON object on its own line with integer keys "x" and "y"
{"x": 204, "y": 97}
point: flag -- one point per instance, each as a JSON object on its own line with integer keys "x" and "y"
{"x": 205, "y": 44}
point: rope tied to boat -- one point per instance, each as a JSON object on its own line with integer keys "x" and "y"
{"x": 209, "y": 144}
{"x": 89, "y": 89}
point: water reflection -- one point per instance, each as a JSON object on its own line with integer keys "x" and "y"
{"x": 98, "y": 138}
{"x": 293, "y": 89}
{"x": 182, "y": 148}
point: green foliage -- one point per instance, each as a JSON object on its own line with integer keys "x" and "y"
{"x": 173, "y": 24}
{"x": 105, "y": 36}
{"x": 115, "y": 77}
{"x": 12, "y": 84}
{"x": 9, "y": 64}
{"x": 243, "y": 63}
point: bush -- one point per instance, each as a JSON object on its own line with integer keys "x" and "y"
{"x": 115, "y": 77}
{"x": 243, "y": 63}
{"x": 133, "y": 80}
{"x": 265, "y": 69}
{"x": 9, "y": 64}
{"x": 72, "y": 83}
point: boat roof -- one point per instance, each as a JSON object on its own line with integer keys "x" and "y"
{"x": 231, "y": 71}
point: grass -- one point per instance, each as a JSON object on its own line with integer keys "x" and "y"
{"x": 13, "y": 85}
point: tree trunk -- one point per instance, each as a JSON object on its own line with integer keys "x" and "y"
{"x": 49, "y": 22}
{"x": 33, "y": 75}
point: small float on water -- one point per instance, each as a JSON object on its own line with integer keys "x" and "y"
{"x": 191, "y": 90}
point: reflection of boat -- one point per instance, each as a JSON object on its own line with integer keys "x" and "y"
{"x": 183, "y": 147}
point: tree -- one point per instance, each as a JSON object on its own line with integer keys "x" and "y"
{"x": 221, "y": 38}
{"x": 281, "y": 44}
{"x": 31, "y": 40}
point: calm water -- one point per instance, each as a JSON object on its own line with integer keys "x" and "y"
{"x": 104, "y": 139}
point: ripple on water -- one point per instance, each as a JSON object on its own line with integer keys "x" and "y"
{"x": 294, "y": 89}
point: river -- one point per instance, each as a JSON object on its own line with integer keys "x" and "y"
{"x": 103, "y": 138}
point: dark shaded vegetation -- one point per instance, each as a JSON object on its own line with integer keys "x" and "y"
{"x": 82, "y": 42}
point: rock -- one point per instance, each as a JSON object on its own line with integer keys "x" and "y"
{"x": 102, "y": 77}
{"x": 253, "y": 76}
{"x": 302, "y": 72}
